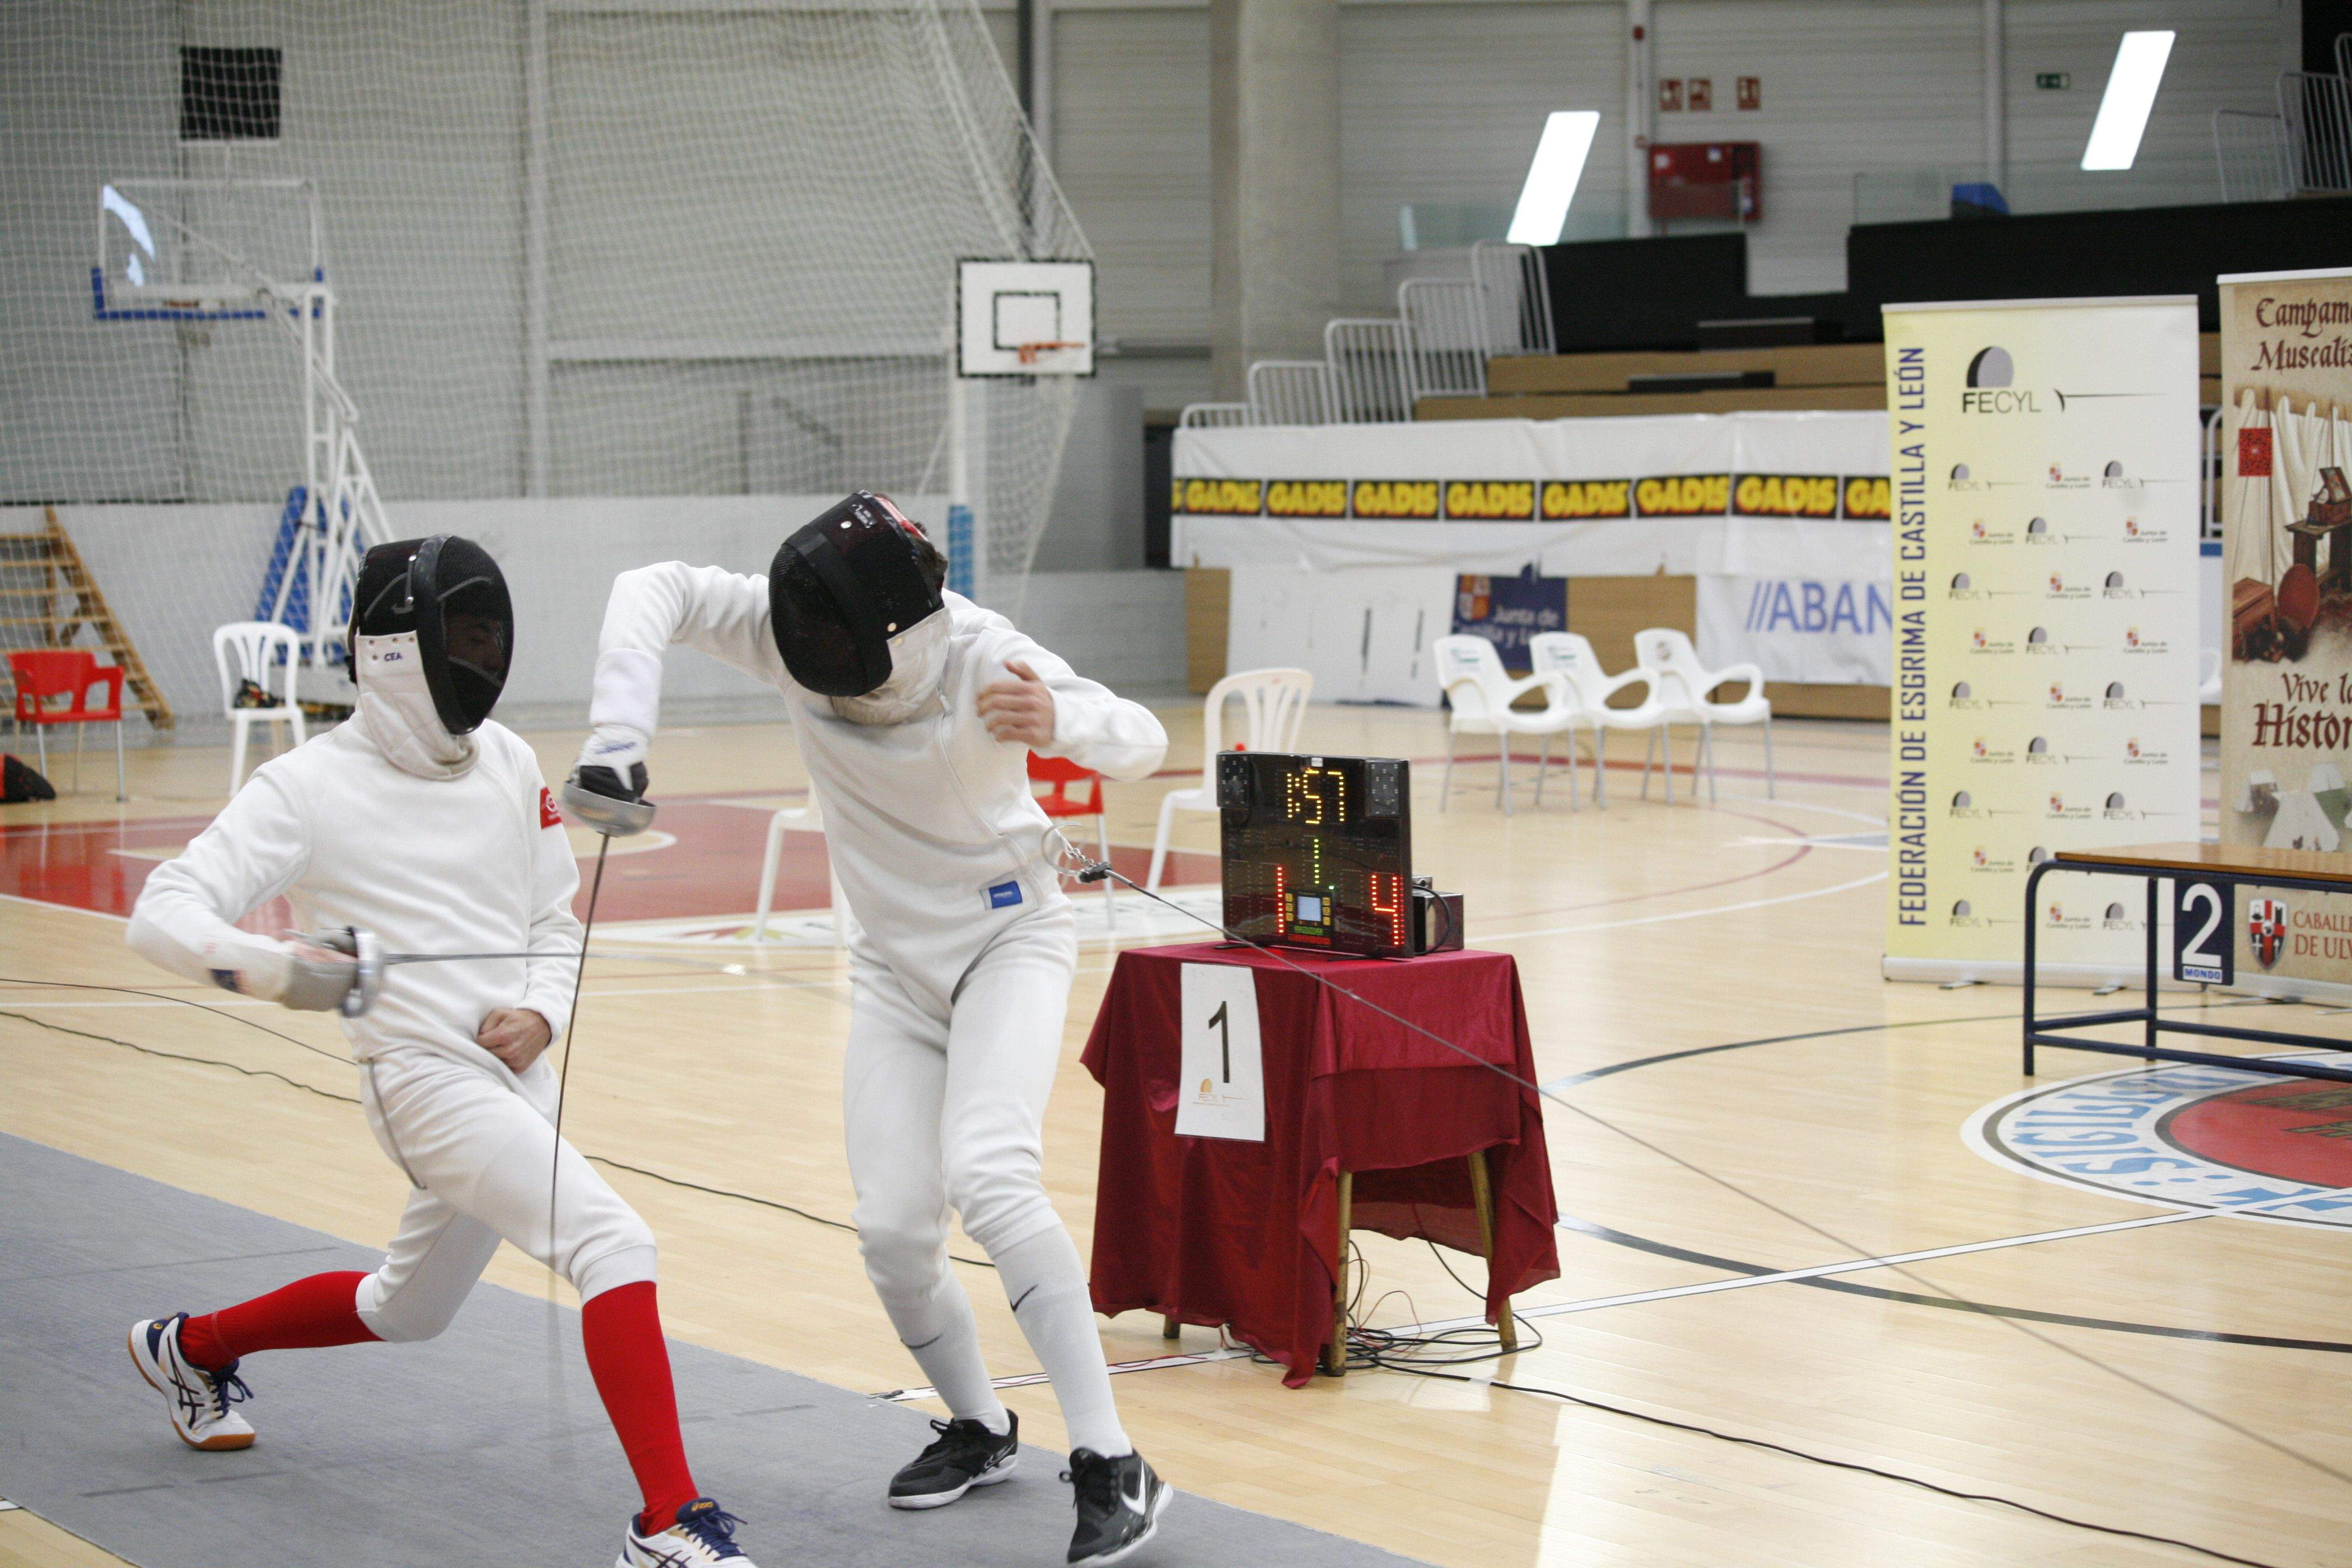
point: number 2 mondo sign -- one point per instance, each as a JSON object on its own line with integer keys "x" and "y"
{"x": 1223, "y": 1091}
{"x": 2204, "y": 934}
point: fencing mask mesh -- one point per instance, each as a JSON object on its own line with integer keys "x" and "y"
{"x": 450, "y": 594}
{"x": 843, "y": 586}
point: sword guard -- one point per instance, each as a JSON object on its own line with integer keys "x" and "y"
{"x": 604, "y": 813}
{"x": 366, "y": 954}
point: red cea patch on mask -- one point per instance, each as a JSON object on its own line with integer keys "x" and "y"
{"x": 548, "y": 815}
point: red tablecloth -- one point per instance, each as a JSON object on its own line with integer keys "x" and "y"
{"x": 1215, "y": 1231}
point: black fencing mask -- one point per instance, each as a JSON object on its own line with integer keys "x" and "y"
{"x": 842, "y": 587}
{"x": 449, "y": 593}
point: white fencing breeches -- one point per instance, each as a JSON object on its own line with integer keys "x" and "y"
{"x": 481, "y": 1156}
{"x": 944, "y": 1101}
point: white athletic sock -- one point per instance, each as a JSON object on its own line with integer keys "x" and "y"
{"x": 938, "y": 1331}
{"x": 1047, "y": 1287}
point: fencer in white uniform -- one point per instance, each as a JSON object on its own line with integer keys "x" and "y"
{"x": 426, "y": 823}
{"x": 915, "y": 711}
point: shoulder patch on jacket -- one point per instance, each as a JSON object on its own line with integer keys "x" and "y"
{"x": 548, "y": 815}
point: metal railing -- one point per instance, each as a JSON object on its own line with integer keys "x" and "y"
{"x": 1291, "y": 392}
{"x": 1518, "y": 297}
{"x": 2251, "y": 152}
{"x": 2317, "y": 112}
{"x": 1374, "y": 370}
{"x": 1216, "y": 416}
{"x": 1369, "y": 383}
{"x": 1443, "y": 340}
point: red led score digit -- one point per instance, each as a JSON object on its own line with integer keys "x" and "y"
{"x": 1394, "y": 909}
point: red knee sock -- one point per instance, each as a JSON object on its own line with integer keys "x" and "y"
{"x": 622, "y": 1330}
{"x": 304, "y": 1315}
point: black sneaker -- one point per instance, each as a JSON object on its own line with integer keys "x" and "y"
{"x": 1119, "y": 1505}
{"x": 966, "y": 1455}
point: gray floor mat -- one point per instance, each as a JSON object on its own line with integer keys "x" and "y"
{"x": 486, "y": 1445}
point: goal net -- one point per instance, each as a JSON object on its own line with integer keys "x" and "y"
{"x": 678, "y": 252}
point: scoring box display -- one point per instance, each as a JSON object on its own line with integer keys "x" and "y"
{"x": 1318, "y": 851}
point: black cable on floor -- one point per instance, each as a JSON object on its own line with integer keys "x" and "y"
{"x": 183, "y": 1001}
{"x": 1854, "y": 1465}
{"x": 1369, "y": 1349}
{"x": 353, "y": 1099}
{"x": 178, "y": 1056}
{"x": 764, "y": 1203}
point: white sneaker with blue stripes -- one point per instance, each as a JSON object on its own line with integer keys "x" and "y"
{"x": 198, "y": 1400}
{"x": 703, "y": 1535}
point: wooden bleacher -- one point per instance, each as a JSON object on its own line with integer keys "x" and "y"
{"x": 1562, "y": 386}
{"x": 1804, "y": 377}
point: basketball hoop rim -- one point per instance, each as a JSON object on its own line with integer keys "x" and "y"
{"x": 1028, "y": 352}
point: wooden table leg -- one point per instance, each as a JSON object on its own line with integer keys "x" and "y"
{"x": 1335, "y": 1354}
{"x": 1482, "y": 1194}
{"x": 1170, "y": 1328}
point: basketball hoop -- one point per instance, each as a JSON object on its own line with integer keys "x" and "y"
{"x": 1028, "y": 352}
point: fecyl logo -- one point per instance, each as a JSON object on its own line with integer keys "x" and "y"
{"x": 1989, "y": 388}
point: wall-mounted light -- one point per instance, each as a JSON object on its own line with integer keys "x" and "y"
{"x": 2131, "y": 93}
{"x": 1559, "y": 165}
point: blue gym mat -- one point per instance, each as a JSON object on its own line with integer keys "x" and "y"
{"x": 486, "y": 1445}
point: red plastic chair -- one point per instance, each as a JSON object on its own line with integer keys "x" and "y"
{"x": 45, "y": 676}
{"x": 1058, "y": 802}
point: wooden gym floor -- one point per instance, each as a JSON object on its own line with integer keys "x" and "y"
{"x": 2185, "y": 1379}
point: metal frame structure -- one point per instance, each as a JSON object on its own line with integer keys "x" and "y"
{"x": 1375, "y": 369}
{"x": 2060, "y": 1031}
{"x": 1370, "y": 381}
{"x": 343, "y": 512}
{"x": 1291, "y": 392}
{"x": 1517, "y": 290}
{"x": 2250, "y": 153}
{"x": 2316, "y": 110}
{"x": 1443, "y": 341}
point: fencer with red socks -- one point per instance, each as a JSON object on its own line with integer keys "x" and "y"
{"x": 916, "y": 711}
{"x": 426, "y": 823}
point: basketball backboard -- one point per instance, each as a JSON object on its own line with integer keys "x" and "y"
{"x": 1024, "y": 318}
{"x": 203, "y": 248}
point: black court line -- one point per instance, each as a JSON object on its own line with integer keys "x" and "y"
{"x": 1736, "y": 1266}
{"x": 1572, "y": 1080}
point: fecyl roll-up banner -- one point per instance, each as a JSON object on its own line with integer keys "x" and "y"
{"x": 2286, "y": 517}
{"x": 2045, "y": 469}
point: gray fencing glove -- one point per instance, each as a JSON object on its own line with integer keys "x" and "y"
{"x": 316, "y": 979}
{"x": 606, "y": 790}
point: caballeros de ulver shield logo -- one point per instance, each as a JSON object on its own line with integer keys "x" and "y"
{"x": 2266, "y": 929}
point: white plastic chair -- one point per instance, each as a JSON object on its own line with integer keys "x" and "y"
{"x": 1682, "y": 684}
{"x": 1273, "y": 703}
{"x": 1569, "y": 655}
{"x": 252, "y": 650}
{"x": 1482, "y": 692}
{"x": 808, "y": 819}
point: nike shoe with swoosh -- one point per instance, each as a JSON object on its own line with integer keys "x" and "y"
{"x": 966, "y": 1455}
{"x": 1120, "y": 1503}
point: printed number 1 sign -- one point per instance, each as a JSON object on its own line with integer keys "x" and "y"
{"x": 1223, "y": 1091}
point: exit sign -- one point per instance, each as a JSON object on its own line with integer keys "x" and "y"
{"x": 2053, "y": 81}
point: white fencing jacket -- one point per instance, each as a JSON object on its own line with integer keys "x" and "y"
{"x": 931, "y": 825}
{"x": 477, "y": 863}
